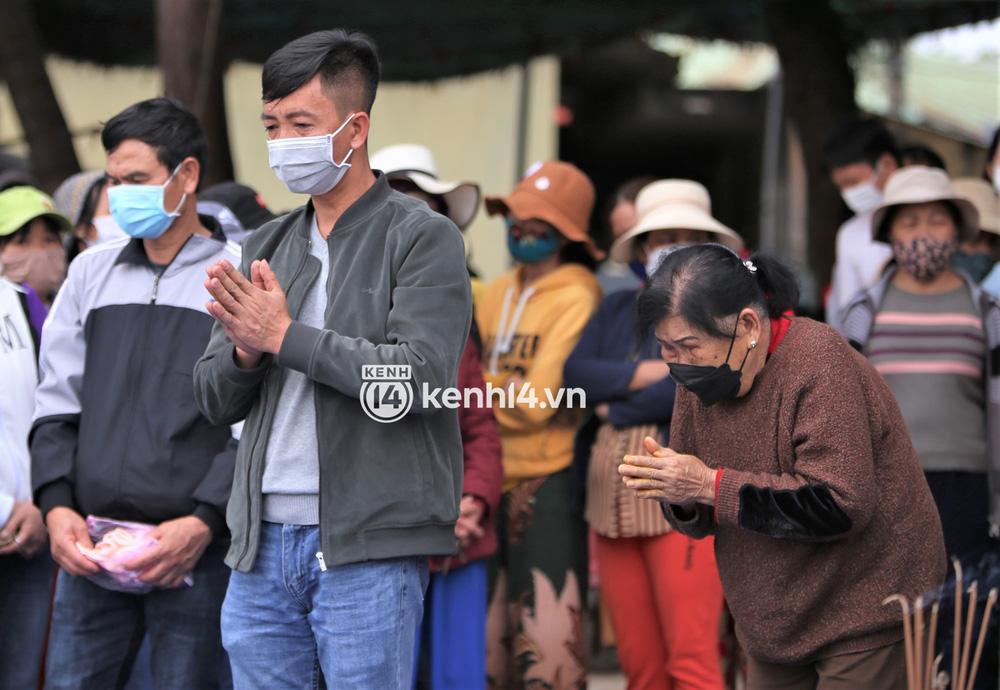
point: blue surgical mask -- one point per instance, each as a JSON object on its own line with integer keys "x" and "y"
{"x": 305, "y": 164}
{"x": 138, "y": 208}
{"x": 530, "y": 249}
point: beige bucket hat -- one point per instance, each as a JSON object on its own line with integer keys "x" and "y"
{"x": 673, "y": 205}
{"x": 982, "y": 196}
{"x": 416, "y": 163}
{"x": 918, "y": 184}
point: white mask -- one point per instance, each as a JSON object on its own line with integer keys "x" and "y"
{"x": 862, "y": 198}
{"x": 107, "y": 230}
{"x": 656, "y": 256}
{"x": 305, "y": 164}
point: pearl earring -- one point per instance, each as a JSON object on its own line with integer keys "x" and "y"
{"x": 753, "y": 344}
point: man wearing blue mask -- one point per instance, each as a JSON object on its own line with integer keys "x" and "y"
{"x": 860, "y": 155}
{"x": 333, "y": 513}
{"x": 117, "y": 433}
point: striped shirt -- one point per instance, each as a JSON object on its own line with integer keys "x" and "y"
{"x": 931, "y": 350}
{"x": 613, "y": 510}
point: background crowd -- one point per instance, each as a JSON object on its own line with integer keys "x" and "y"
{"x": 91, "y": 305}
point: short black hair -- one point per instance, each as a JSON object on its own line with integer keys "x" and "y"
{"x": 347, "y": 61}
{"x": 863, "y": 140}
{"x": 20, "y": 236}
{"x": 919, "y": 154}
{"x": 707, "y": 284}
{"x": 164, "y": 124}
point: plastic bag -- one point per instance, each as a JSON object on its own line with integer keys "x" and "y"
{"x": 117, "y": 542}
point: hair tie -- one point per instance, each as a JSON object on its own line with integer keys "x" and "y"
{"x": 750, "y": 266}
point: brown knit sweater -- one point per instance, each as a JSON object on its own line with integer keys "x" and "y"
{"x": 822, "y": 509}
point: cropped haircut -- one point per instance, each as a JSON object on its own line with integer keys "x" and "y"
{"x": 863, "y": 140}
{"x": 346, "y": 61}
{"x": 166, "y": 126}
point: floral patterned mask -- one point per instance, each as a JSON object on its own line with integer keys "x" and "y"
{"x": 924, "y": 258}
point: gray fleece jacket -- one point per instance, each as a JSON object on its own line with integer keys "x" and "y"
{"x": 398, "y": 294}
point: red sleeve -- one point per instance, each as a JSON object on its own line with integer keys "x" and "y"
{"x": 480, "y": 438}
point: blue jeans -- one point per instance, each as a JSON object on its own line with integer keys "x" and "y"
{"x": 286, "y": 622}
{"x": 96, "y": 633}
{"x": 453, "y": 633}
{"x": 25, "y": 588}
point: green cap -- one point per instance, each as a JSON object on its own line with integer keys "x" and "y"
{"x": 21, "y": 205}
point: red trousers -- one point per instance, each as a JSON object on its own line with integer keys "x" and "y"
{"x": 665, "y": 601}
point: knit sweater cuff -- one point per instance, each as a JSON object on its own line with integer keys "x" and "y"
{"x": 719, "y": 474}
{"x": 727, "y": 498}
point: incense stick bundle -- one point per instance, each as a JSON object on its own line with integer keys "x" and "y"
{"x": 930, "y": 671}
{"x": 918, "y": 643}
{"x": 982, "y": 638}
{"x": 907, "y": 638}
{"x": 956, "y": 640}
{"x": 971, "y": 613}
{"x": 923, "y": 667}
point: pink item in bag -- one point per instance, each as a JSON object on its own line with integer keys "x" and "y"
{"x": 117, "y": 542}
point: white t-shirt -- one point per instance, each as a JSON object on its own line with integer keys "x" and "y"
{"x": 19, "y": 374}
{"x": 859, "y": 263}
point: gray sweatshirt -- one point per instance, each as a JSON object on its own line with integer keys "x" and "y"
{"x": 858, "y": 328}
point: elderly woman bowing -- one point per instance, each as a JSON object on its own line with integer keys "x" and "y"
{"x": 790, "y": 449}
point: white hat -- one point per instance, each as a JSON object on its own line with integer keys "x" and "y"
{"x": 919, "y": 184}
{"x": 981, "y": 194}
{"x": 416, "y": 163}
{"x": 673, "y": 205}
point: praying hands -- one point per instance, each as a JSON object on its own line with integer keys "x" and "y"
{"x": 253, "y": 313}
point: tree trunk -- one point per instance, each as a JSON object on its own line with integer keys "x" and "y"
{"x": 193, "y": 72}
{"x": 22, "y": 67}
{"x": 819, "y": 95}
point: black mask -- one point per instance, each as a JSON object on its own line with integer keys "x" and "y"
{"x": 711, "y": 384}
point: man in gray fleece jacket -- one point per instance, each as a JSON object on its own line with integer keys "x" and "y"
{"x": 333, "y": 513}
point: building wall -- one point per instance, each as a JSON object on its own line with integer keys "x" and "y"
{"x": 470, "y": 123}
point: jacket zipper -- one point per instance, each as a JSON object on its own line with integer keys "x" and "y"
{"x": 319, "y": 465}
{"x": 135, "y": 389}
{"x": 156, "y": 286}
{"x": 253, "y": 448}
{"x": 256, "y": 440}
